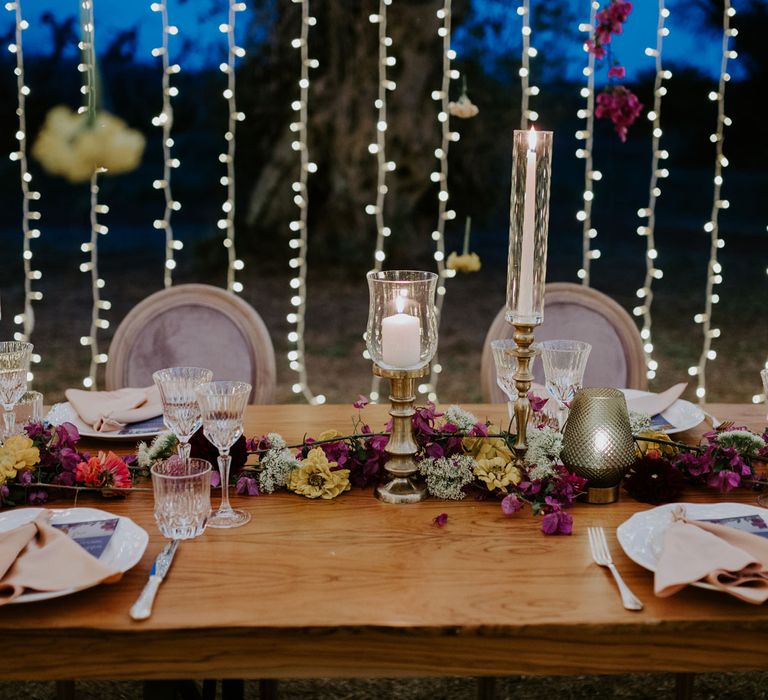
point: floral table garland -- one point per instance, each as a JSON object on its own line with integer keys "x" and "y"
{"x": 460, "y": 456}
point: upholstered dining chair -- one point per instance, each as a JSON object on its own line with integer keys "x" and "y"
{"x": 574, "y": 312}
{"x": 193, "y": 325}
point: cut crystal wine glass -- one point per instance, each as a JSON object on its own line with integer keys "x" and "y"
{"x": 506, "y": 366}
{"x": 181, "y": 411}
{"x": 14, "y": 366}
{"x": 564, "y": 363}
{"x": 222, "y": 405}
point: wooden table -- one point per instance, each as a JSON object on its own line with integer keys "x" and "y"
{"x": 354, "y": 587}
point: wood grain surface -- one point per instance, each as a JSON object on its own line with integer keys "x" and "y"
{"x": 355, "y": 587}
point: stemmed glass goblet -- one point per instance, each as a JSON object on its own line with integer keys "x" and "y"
{"x": 506, "y": 366}
{"x": 181, "y": 411}
{"x": 222, "y": 405}
{"x": 14, "y": 365}
{"x": 564, "y": 363}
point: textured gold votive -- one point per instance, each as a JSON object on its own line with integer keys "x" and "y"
{"x": 597, "y": 442}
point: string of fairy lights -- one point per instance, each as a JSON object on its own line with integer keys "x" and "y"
{"x": 584, "y": 215}
{"x": 714, "y": 268}
{"x": 91, "y": 248}
{"x": 30, "y": 216}
{"x": 164, "y": 120}
{"x": 299, "y": 242}
{"x": 527, "y": 115}
{"x": 379, "y": 149}
{"x": 227, "y": 222}
{"x": 648, "y": 213}
{"x": 444, "y": 213}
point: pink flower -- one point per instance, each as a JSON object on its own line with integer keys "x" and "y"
{"x": 595, "y": 48}
{"x": 106, "y": 470}
{"x": 511, "y": 504}
{"x": 441, "y": 520}
{"x": 725, "y": 480}
{"x": 621, "y": 106}
{"x": 557, "y": 522}
{"x": 361, "y": 402}
{"x": 537, "y": 402}
{"x": 617, "y": 71}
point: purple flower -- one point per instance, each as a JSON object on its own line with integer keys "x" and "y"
{"x": 247, "y": 486}
{"x": 37, "y": 430}
{"x": 361, "y": 402}
{"x": 557, "y": 522}
{"x": 67, "y": 435}
{"x": 4, "y": 492}
{"x": 537, "y": 402}
{"x": 511, "y": 504}
{"x": 725, "y": 480}
{"x": 69, "y": 458}
{"x": 617, "y": 71}
{"x": 25, "y": 477}
{"x": 441, "y": 519}
{"x": 215, "y": 480}
{"x": 337, "y": 452}
{"x": 64, "y": 478}
{"x": 479, "y": 430}
{"x": 39, "y": 496}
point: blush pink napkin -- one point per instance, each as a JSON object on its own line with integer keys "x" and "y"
{"x": 106, "y": 411}
{"x": 654, "y": 404}
{"x": 729, "y": 559}
{"x": 38, "y": 557}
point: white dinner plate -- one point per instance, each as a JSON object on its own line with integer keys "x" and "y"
{"x": 681, "y": 415}
{"x": 64, "y": 413}
{"x": 642, "y": 535}
{"x": 123, "y": 552}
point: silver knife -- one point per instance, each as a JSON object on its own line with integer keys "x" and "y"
{"x": 142, "y": 608}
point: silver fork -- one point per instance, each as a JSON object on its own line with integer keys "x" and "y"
{"x": 602, "y": 557}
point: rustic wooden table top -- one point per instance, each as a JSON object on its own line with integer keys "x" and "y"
{"x": 355, "y": 587}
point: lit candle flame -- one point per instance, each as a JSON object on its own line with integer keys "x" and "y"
{"x": 532, "y": 139}
{"x": 400, "y": 302}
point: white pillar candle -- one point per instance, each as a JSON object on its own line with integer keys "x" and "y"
{"x": 401, "y": 338}
{"x": 525, "y": 294}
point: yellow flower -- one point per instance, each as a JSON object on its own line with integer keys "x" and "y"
{"x": 497, "y": 473}
{"x": 467, "y": 262}
{"x": 69, "y": 146}
{"x": 488, "y": 448}
{"x": 16, "y": 454}
{"x": 642, "y": 447}
{"x": 463, "y": 109}
{"x": 314, "y": 479}
{"x": 329, "y": 435}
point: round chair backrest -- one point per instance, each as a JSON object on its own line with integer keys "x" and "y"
{"x": 194, "y": 325}
{"x": 574, "y": 312}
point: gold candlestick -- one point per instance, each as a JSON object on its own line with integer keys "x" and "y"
{"x": 402, "y": 447}
{"x": 523, "y": 337}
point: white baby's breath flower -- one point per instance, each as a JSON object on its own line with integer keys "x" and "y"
{"x": 639, "y": 422}
{"x": 463, "y": 420}
{"x": 544, "y": 448}
{"x": 446, "y": 477}
{"x": 745, "y": 441}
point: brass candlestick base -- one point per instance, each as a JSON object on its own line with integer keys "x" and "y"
{"x": 402, "y": 447}
{"x": 523, "y": 337}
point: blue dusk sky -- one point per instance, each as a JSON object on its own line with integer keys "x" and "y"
{"x": 198, "y": 20}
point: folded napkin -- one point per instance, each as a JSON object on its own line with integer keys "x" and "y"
{"x": 732, "y": 560}
{"x": 654, "y": 404}
{"x": 38, "y": 557}
{"x": 106, "y": 411}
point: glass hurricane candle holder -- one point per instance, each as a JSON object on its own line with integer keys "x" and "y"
{"x": 402, "y": 321}
{"x": 402, "y": 340}
{"x": 528, "y": 226}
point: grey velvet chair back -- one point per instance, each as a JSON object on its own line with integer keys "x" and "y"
{"x": 193, "y": 325}
{"x": 574, "y": 312}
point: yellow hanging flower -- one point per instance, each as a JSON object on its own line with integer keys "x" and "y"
{"x": 314, "y": 479}
{"x": 466, "y": 262}
{"x": 16, "y": 454}
{"x": 497, "y": 473}
{"x": 464, "y": 108}
{"x": 642, "y": 447}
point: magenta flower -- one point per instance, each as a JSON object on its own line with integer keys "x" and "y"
{"x": 537, "y": 402}
{"x": 557, "y": 522}
{"x": 441, "y": 520}
{"x": 37, "y": 497}
{"x": 510, "y": 504}
{"x": 247, "y": 486}
{"x": 361, "y": 402}
{"x": 617, "y": 71}
{"x": 621, "y": 106}
{"x": 724, "y": 480}
{"x": 595, "y": 48}
{"x": 215, "y": 480}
